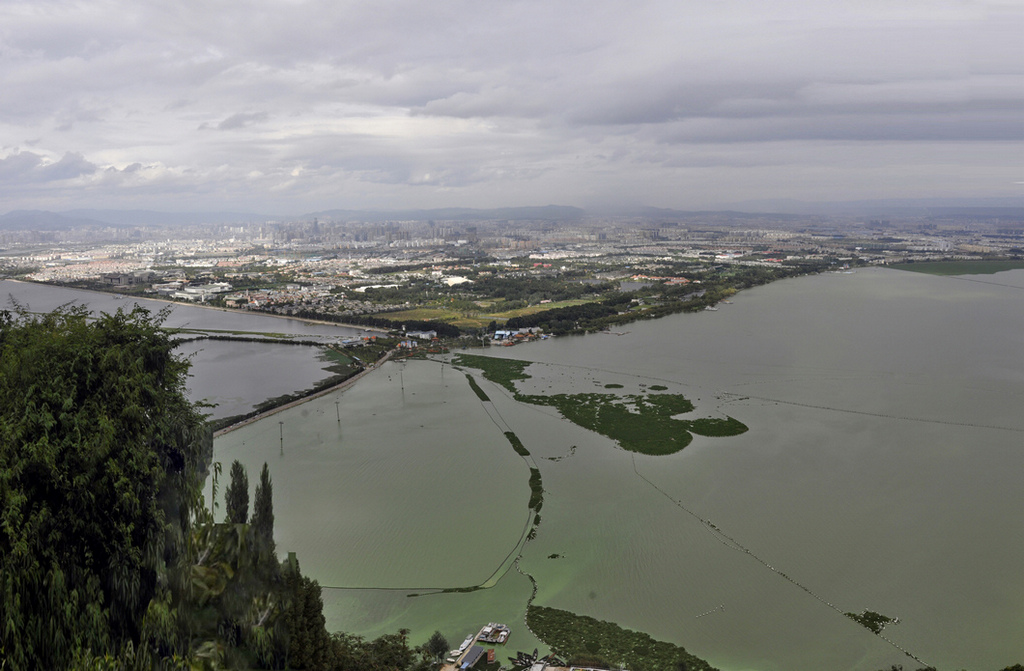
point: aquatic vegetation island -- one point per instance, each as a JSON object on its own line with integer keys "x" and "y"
{"x": 871, "y": 620}
{"x": 643, "y": 423}
{"x": 586, "y": 641}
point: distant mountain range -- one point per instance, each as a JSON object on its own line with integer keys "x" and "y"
{"x": 41, "y": 220}
{"x": 888, "y": 207}
{"x": 546, "y": 212}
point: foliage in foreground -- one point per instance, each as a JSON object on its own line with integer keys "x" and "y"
{"x": 109, "y": 557}
{"x": 97, "y": 448}
{"x": 583, "y": 640}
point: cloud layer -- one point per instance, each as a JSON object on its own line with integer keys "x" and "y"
{"x": 297, "y": 105}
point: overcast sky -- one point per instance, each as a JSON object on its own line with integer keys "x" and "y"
{"x": 294, "y": 106}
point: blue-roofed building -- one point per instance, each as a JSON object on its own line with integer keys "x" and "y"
{"x": 472, "y": 657}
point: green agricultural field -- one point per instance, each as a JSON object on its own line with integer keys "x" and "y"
{"x": 533, "y": 309}
{"x": 445, "y": 315}
{"x": 960, "y": 267}
{"x": 476, "y": 319}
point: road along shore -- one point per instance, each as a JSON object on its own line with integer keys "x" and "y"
{"x": 341, "y": 386}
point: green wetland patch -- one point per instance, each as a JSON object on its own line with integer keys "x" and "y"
{"x": 643, "y": 423}
{"x": 872, "y": 620}
{"x": 501, "y": 371}
{"x": 586, "y": 641}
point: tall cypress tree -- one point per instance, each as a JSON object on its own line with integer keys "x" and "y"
{"x": 236, "y": 498}
{"x": 263, "y": 513}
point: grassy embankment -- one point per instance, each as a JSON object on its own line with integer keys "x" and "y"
{"x": 586, "y": 641}
{"x": 973, "y": 267}
{"x": 643, "y": 423}
{"x": 189, "y": 334}
{"x": 478, "y": 320}
{"x": 342, "y": 366}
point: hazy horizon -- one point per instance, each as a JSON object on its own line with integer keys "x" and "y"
{"x": 701, "y": 105}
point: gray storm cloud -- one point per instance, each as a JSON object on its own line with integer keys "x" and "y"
{"x": 321, "y": 104}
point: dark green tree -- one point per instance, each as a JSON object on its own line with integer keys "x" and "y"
{"x": 98, "y": 454}
{"x": 437, "y": 645}
{"x": 236, "y": 497}
{"x": 389, "y": 652}
{"x": 309, "y": 645}
{"x": 263, "y": 512}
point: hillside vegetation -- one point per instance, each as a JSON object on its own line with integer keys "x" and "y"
{"x": 109, "y": 555}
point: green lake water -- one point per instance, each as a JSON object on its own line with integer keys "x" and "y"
{"x": 268, "y": 369}
{"x": 881, "y": 470}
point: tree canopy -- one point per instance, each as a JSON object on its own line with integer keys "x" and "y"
{"x": 236, "y": 497}
{"x": 98, "y": 451}
{"x": 109, "y": 556}
{"x": 263, "y": 511}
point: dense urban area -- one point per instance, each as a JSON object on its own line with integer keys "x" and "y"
{"x": 551, "y": 269}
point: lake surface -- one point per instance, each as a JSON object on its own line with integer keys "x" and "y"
{"x": 881, "y": 471}
{"x": 44, "y": 298}
{"x": 236, "y": 376}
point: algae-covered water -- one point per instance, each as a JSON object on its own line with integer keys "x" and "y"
{"x": 881, "y": 471}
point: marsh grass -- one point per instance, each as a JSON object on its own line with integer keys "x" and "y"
{"x": 588, "y": 641}
{"x": 644, "y": 423}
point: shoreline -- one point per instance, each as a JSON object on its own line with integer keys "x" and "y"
{"x": 319, "y": 322}
{"x": 341, "y": 386}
